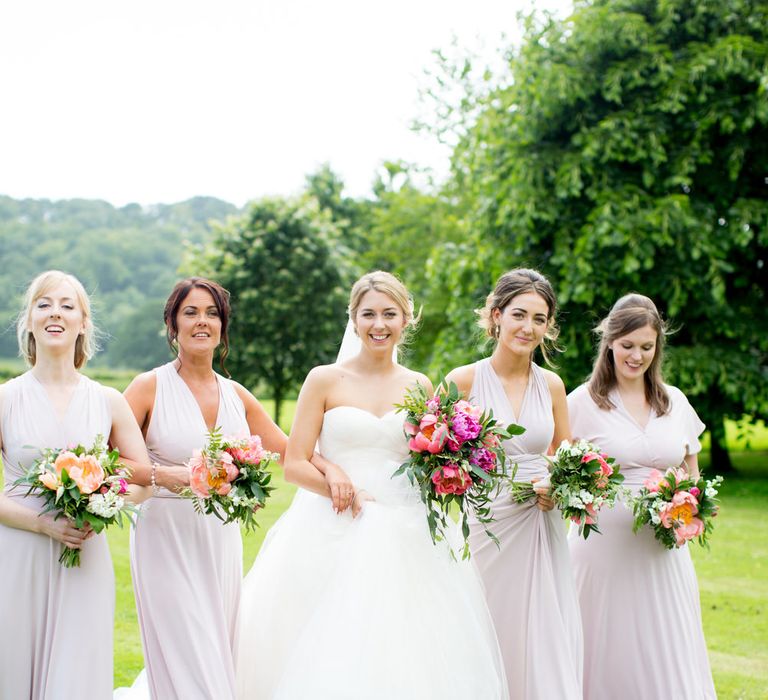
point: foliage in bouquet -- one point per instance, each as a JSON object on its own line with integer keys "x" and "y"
{"x": 84, "y": 484}
{"x": 582, "y": 480}
{"x": 456, "y": 457}
{"x": 230, "y": 477}
{"x": 677, "y": 507}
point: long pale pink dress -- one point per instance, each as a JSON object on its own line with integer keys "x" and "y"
{"x": 528, "y": 579}
{"x": 639, "y": 601}
{"x": 187, "y": 567}
{"x": 55, "y": 622}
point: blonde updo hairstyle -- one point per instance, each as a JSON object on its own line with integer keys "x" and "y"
{"x": 512, "y": 284}
{"x": 630, "y": 313}
{"x": 85, "y": 346}
{"x": 386, "y": 283}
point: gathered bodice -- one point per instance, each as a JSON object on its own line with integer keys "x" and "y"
{"x": 369, "y": 449}
{"x": 30, "y": 424}
{"x": 177, "y": 426}
{"x": 536, "y": 417}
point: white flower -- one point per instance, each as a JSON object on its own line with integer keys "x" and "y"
{"x": 586, "y": 496}
{"x": 105, "y": 505}
{"x": 575, "y": 502}
{"x": 710, "y": 492}
{"x": 655, "y": 519}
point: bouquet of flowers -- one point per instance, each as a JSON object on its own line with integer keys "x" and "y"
{"x": 678, "y": 507}
{"x": 229, "y": 477}
{"x": 582, "y": 479}
{"x": 84, "y": 484}
{"x": 456, "y": 457}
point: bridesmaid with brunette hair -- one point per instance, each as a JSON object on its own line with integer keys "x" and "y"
{"x": 187, "y": 567}
{"x": 528, "y": 580}
{"x": 630, "y": 587}
{"x": 56, "y": 622}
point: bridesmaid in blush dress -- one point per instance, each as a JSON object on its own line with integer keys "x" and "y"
{"x": 528, "y": 579}
{"x": 643, "y": 636}
{"x": 56, "y": 622}
{"x": 187, "y": 567}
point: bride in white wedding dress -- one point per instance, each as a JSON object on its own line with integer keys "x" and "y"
{"x": 357, "y": 602}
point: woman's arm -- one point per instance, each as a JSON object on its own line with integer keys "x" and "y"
{"x": 140, "y": 395}
{"x": 127, "y": 438}
{"x": 692, "y": 464}
{"x": 310, "y": 411}
{"x": 274, "y": 439}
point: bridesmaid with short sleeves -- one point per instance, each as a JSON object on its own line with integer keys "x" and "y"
{"x": 643, "y": 636}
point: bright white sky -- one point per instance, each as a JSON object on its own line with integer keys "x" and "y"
{"x": 160, "y": 100}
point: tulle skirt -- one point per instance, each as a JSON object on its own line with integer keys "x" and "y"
{"x": 366, "y": 608}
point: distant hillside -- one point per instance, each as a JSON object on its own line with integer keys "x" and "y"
{"x": 127, "y": 257}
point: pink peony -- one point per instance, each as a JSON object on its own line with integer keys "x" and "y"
{"x": 465, "y": 427}
{"x": 652, "y": 480}
{"x": 248, "y": 450}
{"x": 410, "y": 428}
{"x": 198, "y": 475}
{"x": 451, "y": 479}
{"x": 432, "y": 436}
{"x": 483, "y": 458}
{"x": 65, "y": 460}
{"x": 469, "y": 409}
{"x": 679, "y": 511}
{"x": 88, "y": 474}
{"x": 688, "y": 531}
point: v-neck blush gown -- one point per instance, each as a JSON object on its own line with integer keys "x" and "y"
{"x": 187, "y": 567}
{"x": 528, "y": 580}
{"x": 640, "y": 608}
{"x": 55, "y": 622}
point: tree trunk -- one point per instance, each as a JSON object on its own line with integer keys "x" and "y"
{"x": 721, "y": 460}
{"x": 278, "y": 396}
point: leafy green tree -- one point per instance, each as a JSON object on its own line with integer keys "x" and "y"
{"x": 628, "y": 150}
{"x": 280, "y": 263}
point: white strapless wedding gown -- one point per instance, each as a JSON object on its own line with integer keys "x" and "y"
{"x": 370, "y": 608}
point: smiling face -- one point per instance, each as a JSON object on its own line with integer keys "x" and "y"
{"x": 198, "y": 322}
{"x": 633, "y": 353}
{"x": 56, "y": 318}
{"x": 379, "y": 321}
{"x": 522, "y": 323}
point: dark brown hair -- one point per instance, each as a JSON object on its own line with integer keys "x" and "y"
{"x": 512, "y": 284}
{"x": 631, "y": 312}
{"x": 176, "y": 299}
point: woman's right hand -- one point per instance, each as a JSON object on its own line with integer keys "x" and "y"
{"x": 62, "y": 530}
{"x": 361, "y": 497}
{"x": 342, "y": 489}
{"x": 174, "y": 478}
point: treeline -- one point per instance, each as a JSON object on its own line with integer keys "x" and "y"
{"x": 623, "y": 149}
{"x": 127, "y": 257}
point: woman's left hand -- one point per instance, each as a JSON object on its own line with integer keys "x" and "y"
{"x": 544, "y": 500}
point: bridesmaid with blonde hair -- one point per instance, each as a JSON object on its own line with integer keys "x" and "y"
{"x": 56, "y": 621}
{"x": 528, "y": 579}
{"x": 630, "y": 587}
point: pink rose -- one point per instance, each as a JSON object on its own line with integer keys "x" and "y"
{"x": 451, "y": 479}
{"x": 695, "y": 491}
{"x": 433, "y": 404}
{"x": 491, "y": 440}
{"x": 652, "y": 480}
{"x": 88, "y": 474}
{"x": 590, "y": 516}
